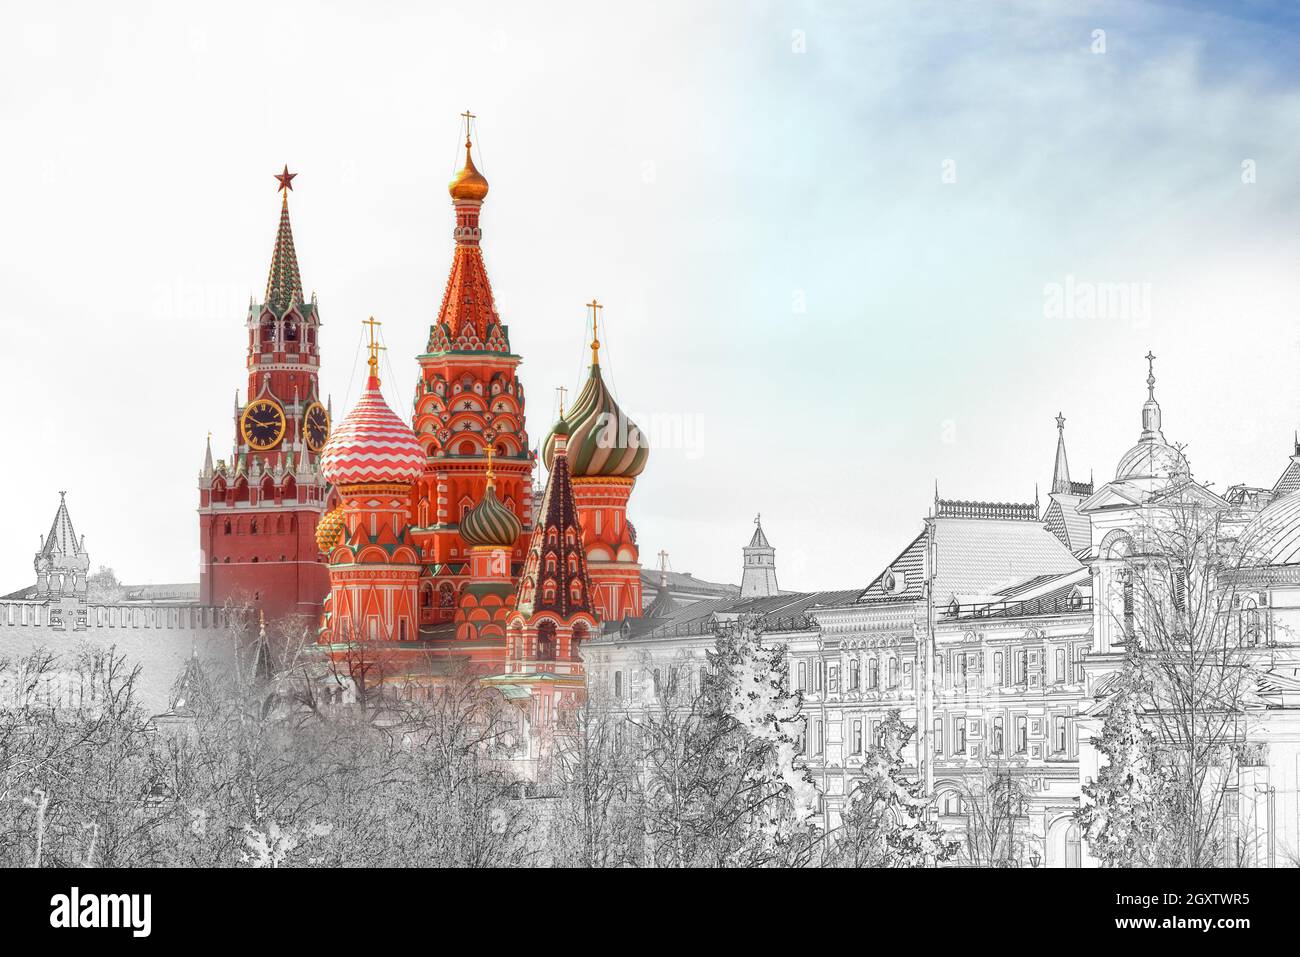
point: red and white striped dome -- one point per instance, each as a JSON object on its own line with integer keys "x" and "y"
{"x": 372, "y": 444}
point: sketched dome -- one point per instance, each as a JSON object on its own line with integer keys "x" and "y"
{"x": 372, "y": 445}
{"x": 1273, "y": 536}
{"x": 490, "y": 523}
{"x": 603, "y": 442}
{"x": 1152, "y": 459}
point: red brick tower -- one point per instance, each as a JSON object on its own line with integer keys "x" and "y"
{"x": 468, "y": 400}
{"x": 258, "y": 511}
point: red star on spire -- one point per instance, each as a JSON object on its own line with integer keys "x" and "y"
{"x": 285, "y": 178}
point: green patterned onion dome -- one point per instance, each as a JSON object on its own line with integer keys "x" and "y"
{"x": 603, "y": 442}
{"x": 490, "y": 523}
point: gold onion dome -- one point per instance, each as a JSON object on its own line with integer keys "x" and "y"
{"x": 469, "y": 183}
{"x": 603, "y": 442}
{"x": 490, "y": 523}
{"x": 329, "y": 530}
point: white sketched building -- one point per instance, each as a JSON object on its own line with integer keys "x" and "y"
{"x": 1025, "y": 604}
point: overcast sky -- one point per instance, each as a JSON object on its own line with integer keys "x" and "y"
{"x": 826, "y": 234}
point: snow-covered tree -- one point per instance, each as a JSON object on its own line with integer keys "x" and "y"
{"x": 885, "y": 823}
{"x": 752, "y": 681}
{"x": 1128, "y": 814}
{"x": 723, "y": 783}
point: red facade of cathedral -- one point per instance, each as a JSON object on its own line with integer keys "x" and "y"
{"x": 434, "y": 549}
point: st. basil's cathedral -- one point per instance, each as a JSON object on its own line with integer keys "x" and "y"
{"x": 423, "y": 541}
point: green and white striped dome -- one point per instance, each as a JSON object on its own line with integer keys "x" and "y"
{"x": 603, "y": 442}
{"x": 490, "y": 523}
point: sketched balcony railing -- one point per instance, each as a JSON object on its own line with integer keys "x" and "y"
{"x": 1028, "y": 608}
{"x": 709, "y": 626}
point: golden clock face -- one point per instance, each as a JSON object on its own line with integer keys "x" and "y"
{"x": 315, "y": 427}
{"x": 262, "y": 424}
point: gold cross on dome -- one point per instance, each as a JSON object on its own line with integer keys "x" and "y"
{"x": 562, "y": 392}
{"x": 489, "y": 451}
{"x": 595, "y": 308}
{"x": 373, "y": 346}
{"x": 469, "y": 118}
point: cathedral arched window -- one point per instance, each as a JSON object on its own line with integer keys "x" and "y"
{"x": 873, "y": 674}
{"x": 575, "y": 592}
{"x": 855, "y": 674}
{"x": 546, "y": 641}
{"x": 227, "y": 526}
{"x": 446, "y": 595}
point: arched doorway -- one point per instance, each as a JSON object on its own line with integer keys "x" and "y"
{"x": 1063, "y": 843}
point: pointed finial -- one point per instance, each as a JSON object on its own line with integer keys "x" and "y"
{"x": 1060, "y": 422}
{"x": 561, "y": 391}
{"x": 285, "y": 180}
{"x": 595, "y": 308}
{"x": 1151, "y": 375}
{"x": 490, "y": 451}
{"x": 469, "y": 118}
{"x": 758, "y": 519}
{"x": 373, "y": 347}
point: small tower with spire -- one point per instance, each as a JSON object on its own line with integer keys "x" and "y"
{"x": 61, "y": 563}
{"x": 1061, "y": 516}
{"x": 258, "y": 515}
{"x": 758, "y": 577}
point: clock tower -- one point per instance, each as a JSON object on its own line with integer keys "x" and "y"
{"x": 258, "y": 509}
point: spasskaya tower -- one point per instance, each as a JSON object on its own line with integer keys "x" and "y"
{"x": 258, "y": 509}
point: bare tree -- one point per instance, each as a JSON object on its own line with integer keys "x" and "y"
{"x": 1181, "y": 610}
{"x": 994, "y": 803}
